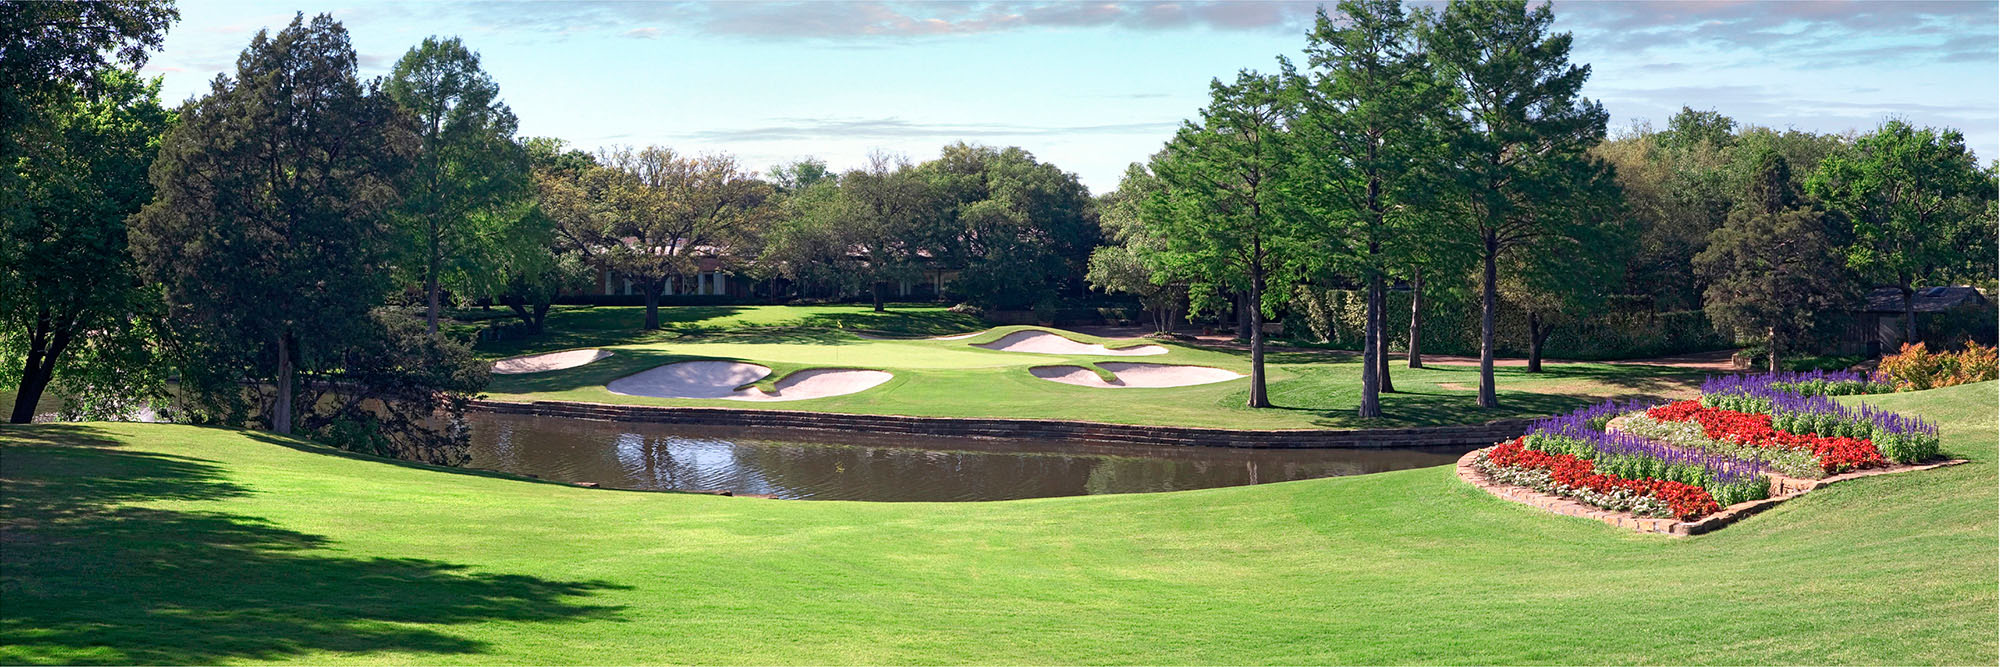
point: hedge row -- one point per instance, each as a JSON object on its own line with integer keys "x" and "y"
{"x": 1334, "y": 316}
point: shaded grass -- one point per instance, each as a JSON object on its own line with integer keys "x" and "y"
{"x": 160, "y": 543}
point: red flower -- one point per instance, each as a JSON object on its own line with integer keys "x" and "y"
{"x": 1834, "y": 454}
{"x": 1684, "y": 500}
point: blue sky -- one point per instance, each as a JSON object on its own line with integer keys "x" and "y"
{"x": 1092, "y": 87}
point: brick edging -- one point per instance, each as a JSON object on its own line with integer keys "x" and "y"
{"x": 1784, "y": 488}
{"x": 1037, "y": 429}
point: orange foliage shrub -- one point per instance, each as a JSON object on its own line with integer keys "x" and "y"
{"x": 1915, "y": 367}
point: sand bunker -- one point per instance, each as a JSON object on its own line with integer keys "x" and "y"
{"x": 552, "y": 361}
{"x": 1132, "y": 375}
{"x": 1042, "y": 342}
{"x": 720, "y": 379}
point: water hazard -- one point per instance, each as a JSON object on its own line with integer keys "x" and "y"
{"x": 826, "y": 465}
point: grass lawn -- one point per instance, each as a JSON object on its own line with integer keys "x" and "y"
{"x": 952, "y": 378}
{"x": 168, "y": 544}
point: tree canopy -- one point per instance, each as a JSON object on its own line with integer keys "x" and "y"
{"x": 467, "y": 197}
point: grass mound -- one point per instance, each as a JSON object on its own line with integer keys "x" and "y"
{"x": 134, "y": 543}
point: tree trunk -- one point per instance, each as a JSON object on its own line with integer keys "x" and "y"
{"x": 1535, "y": 337}
{"x": 1258, "y": 399}
{"x": 1416, "y": 319}
{"x": 431, "y": 308}
{"x": 431, "y": 282}
{"x": 875, "y": 290}
{"x": 532, "y": 314}
{"x": 44, "y": 348}
{"x": 1388, "y": 384}
{"x": 652, "y": 289}
{"x": 1909, "y": 313}
{"x": 1371, "y": 349}
{"x": 281, "y": 408}
{"x": 1771, "y": 348}
{"x": 1489, "y": 305}
{"x": 1244, "y": 318}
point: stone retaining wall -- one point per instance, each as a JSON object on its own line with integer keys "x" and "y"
{"x": 1037, "y": 429}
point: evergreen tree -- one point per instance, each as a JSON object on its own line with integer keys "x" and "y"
{"x": 270, "y": 230}
{"x": 1770, "y": 267}
{"x": 1220, "y": 204}
{"x": 1523, "y": 133}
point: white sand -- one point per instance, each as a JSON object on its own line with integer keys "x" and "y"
{"x": 720, "y": 379}
{"x": 1042, "y": 342}
{"x": 551, "y": 361}
{"x": 1131, "y": 375}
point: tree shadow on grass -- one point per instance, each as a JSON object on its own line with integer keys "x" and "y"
{"x": 88, "y": 579}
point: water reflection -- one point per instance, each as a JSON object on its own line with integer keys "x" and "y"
{"x": 845, "y": 466}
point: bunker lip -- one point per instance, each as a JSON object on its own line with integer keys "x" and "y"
{"x": 726, "y": 379}
{"x": 1043, "y": 342}
{"x": 1135, "y": 375}
{"x": 548, "y": 361}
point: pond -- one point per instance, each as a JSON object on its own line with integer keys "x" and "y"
{"x": 831, "y": 465}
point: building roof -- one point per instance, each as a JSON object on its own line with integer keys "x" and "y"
{"x": 1925, "y": 300}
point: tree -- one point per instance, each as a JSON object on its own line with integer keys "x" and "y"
{"x": 1020, "y": 230}
{"x": 1219, "y": 203}
{"x": 890, "y": 214}
{"x": 1524, "y": 132}
{"x": 1557, "y": 278}
{"x": 270, "y": 228}
{"x": 534, "y": 278}
{"x": 1770, "y": 267}
{"x": 1131, "y": 263}
{"x": 1910, "y": 195}
{"x": 1363, "y": 136}
{"x": 68, "y": 280}
{"x": 811, "y": 239}
{"x": 804, "y": 173}
{"x": 66, "y": 45}
{"x": 649, "y": 215}
{"x": 468, "y": 194}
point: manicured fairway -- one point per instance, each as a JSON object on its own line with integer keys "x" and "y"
{"x": 164, "y": 544}
{"x": 953, "y": 378}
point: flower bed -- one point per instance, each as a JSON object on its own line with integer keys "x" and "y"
{"x": 1747, "y": 440}
{"x": 1574, "y": 457}
{"x": 1813, "y": 383}
{"x": 1899, "y": 438}
{"x": 1830, "y": 454}
{"x": 1571, "y": 476}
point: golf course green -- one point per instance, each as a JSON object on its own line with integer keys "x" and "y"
{"x": 137, "y": 543}
{"x": 956, "y": 378}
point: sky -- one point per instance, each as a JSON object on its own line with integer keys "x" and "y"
{"x": 1089, "y": 86}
